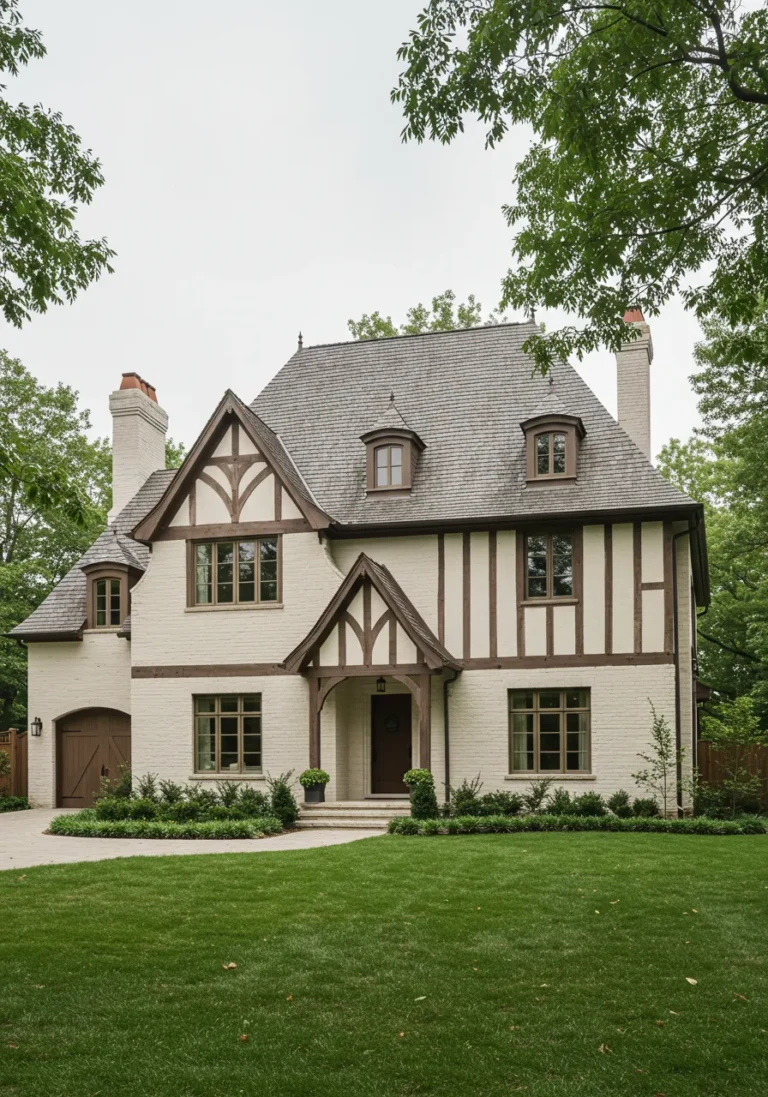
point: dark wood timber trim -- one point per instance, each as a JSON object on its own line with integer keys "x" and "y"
{"x": 348, "y": 619}
{"x": 466, "y": 593}
{"x": 578, "y": 587}
{"x": 393, "y": 639}
{"x": 425, "y": 721}
{"x": 190, "y": 547}
{"x": 249, "y": 489}
{"x": 441, "y": 587}
{"x": 608, "y": 589}
{"x": 529, "y": 662}
{"x": 654, "y": 586}
{"x": 216, "y": 486}
{"x": 493, "y": 641}
{"x": 314, "y": 723}
{"x": 341, "y": 632}
{"x": 637, "y": 562}
{"x": 210, "y": 670}
{"x": 382, "y": 622}
{"x": 367, "y": 643}
{"x": 550, "y": 629}
{"x": 520, "y": 590}
{"x": 193, "y": 504}
{"x": 227, "y": 530}
{"x": 278, "y": 499}
{"x": 326, "y": 686}
{"x": 376, "y": 670}
{"x": 669, "y": 608}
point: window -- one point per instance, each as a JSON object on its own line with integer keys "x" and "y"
{"x": 549, "y": 731}
{"x": 549, "y": 565}
{"x": 228, "y": 734}
{"x": 107, "y": 598}
{"x": 388, "y": 464}
{"x": 236, "y": 572}
{"x": 550, "y": 454}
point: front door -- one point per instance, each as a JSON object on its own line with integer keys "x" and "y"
{"x": 93, "y": 743}
{"x": 390, "y": 742}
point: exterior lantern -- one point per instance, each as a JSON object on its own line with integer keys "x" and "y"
{"x": 381, "y": 685}
{"x": 37, "y": 727}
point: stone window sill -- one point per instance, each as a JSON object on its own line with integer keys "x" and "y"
{"x": 235, "y": 606}
{"x": 528, "y": 777}
{"x": 227, "y": 777}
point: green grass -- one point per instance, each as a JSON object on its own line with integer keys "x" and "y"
{"x": 393, "y": 967}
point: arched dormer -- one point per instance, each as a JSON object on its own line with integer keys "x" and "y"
{"x": 552, "y": 443}
{"x": 110, "y": 570}
{"x": 392, "y": 451}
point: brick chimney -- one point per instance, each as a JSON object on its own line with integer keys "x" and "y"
{"x": 139, "y": 426}
{"x": 633, "y": 369}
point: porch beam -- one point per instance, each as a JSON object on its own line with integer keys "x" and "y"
{"x": 314, "y": 723}
{"x": 425, "y": 722}
{"x": 382, "y": 670}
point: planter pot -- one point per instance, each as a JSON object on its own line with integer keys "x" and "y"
{"x": 314, "y": 794}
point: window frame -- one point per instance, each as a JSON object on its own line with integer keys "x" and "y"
{"x": 562, "y": 710}
{"x": 551, "y": 433}
{"x": 236, "y": 603}
{"x": 112, "y": 574}
{"x": 389, "y": 447}
{"x": 550, "y": 596}
{"x": 409, "y": 446}
{"x": 240, "y": 714}
{"x": 571, "y": 427}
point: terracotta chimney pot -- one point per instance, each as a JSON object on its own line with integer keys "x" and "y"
{"x": 152, "y": 392}
{"x": 130, "y": 381}
{"x": 633, "y": 316}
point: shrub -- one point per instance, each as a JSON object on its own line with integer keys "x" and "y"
{"x": 313, "y": 777}
{"x": 228, "y": 792}
{"x": 619, "y": 804}
{"x": 421, "y": 785}
{"x": 204, "y": 797}
{"x": 146, "y": 787}
{"x": 85, "y": 825}
{"x": 589, "y": 803}
{"x": 171, "y": 793}
{"x": 501, "y": 803}
{"x": 465, "y": 799}
{"x": 559, "y": 803}
{"x": 506, "y": 824}
{"x": 536, "y": 795}
{"x": 13, "y": 803}
{"x": 113, "y": 807}
{"x": 645, "y": 808}
{"x": 282, "y": 800}
{"x": 253, "y": 802}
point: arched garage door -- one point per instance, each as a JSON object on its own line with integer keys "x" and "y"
{"x": 92, "y": 743}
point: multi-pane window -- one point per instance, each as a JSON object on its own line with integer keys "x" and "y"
{"x": 388, "y": 466}
{"x": 107, "y": 593}
{"x": 549, "y": 730}
{"x": 550, "y": 454}
{"x": 228, "y": 734}
{"x": 229, "y": 572}
{"x": 549, "y": 565}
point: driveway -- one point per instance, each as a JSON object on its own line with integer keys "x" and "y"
{"x": 23, "y": 843}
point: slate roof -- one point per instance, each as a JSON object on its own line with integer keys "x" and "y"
{"x": 63, "y": 611}
{"x": 465, "y": 393}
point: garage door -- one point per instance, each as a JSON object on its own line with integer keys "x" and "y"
{"x": 93, "y": 743}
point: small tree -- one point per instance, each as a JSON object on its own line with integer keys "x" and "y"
{"x": 733, "y": 731}
{"x": 421, "y": 785}
{"x": 660, "y": 778}
{"x": 283, "y": 802}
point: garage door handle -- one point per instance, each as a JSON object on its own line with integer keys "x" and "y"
{"x": 104, "y": 772}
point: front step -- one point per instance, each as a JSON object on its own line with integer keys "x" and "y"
{"x": 368, "y": 814}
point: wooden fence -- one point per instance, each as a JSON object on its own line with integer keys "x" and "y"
{"x": 754, "y": 759}
{"x": 14, "y": 743}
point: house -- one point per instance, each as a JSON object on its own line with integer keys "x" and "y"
{"x": 404, "y": 552}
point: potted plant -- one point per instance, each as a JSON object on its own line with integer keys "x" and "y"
{"x": 314, "y": 782}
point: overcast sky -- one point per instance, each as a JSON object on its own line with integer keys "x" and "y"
{"x": 256, "y": 185}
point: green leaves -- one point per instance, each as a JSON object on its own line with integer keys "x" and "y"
{"x": 420, "y": 319}
{"x": 649, "y": 162}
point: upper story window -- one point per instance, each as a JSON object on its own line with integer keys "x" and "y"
{"x": 107, "y": 603}
{"x": 551, "y": 447}
{"x": 388, "y": 466}
{"x": 549, "y": 565}
{"x": 550, "y": 454}
{"x": 236, "y": 572}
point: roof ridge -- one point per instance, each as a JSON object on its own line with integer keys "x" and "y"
{"x": 419, "y": 335}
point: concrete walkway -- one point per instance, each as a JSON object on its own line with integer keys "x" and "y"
{"x": 23, "y": 843}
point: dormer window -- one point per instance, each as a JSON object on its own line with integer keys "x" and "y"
{"x": 393, "y": 449}
{"x": 107, "y": 603}
{"x": 388, "y": 466}
{"x": 551, "y": 447}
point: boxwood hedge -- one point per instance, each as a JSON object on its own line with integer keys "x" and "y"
{"x": 514, "y": 824}
{"x": 85, "y": 824}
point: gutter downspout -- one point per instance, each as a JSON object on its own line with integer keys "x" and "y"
{"x": 446, "y": 733}
{"x": 676, "y": 642}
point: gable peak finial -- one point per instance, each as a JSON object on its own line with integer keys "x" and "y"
{"x": 391, "y": 396}
{"x": 301, "y": 341}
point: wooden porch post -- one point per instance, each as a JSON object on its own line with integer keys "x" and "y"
{"x": 314, "y": 723}
{"x": 425, "y": 721}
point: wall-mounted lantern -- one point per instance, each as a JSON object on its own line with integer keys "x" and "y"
{"x": 36, "y": 727}
{"x": 381, "y": 685}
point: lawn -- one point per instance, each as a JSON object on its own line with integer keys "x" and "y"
{"x": 541, "y": 964}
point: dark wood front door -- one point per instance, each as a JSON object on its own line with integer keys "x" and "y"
{"x": 390, "y": 742}
{"x": 92, "y": 744}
